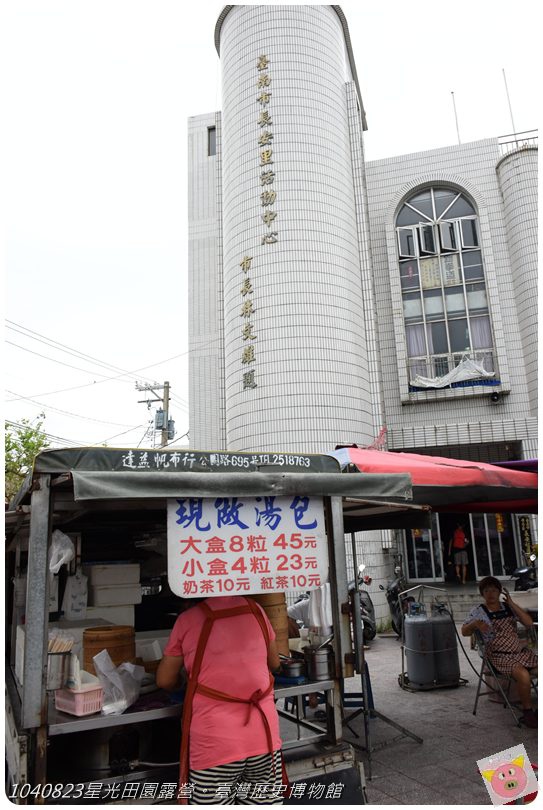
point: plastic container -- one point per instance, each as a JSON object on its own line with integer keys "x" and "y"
{"x": 87, "y": 700}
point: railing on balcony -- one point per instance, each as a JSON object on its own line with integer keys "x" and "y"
{"x": 438, "y": 365}
{"x": 517, "y": 140}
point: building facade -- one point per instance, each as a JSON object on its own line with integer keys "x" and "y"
{"x": 331, "y": 298}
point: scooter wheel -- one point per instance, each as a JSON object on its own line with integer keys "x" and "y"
{"x": 369, "y": 633}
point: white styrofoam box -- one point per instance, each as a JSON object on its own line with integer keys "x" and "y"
{"x": 74, "y": 628}
{"x": 160, "y": 636}
{"x": 105, "y": 595}
{"x": 112, "y": 574}
{"x": 116, "y": 614}
{"x": 148, "y": 649}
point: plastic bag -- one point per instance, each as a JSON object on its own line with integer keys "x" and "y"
{"x": 121, "y": 684}
{"x": 61, "y": 552}
{"x": 74, "y": 601}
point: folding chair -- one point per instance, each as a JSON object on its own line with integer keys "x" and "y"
{"x": 503, "y": 682}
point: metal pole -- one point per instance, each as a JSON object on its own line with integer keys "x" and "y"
{"x": 34, "y": 709}
{"x": 455, "y": 116}
{"x": 509, "y": 103}
{"x": 166, "y": 408}
{"x": 358, "y": 634}
{"x": 365, "y": 710}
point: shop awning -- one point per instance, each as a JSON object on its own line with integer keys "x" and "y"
{"x": 117, "y": 474}
{"x": 447, "y": 484}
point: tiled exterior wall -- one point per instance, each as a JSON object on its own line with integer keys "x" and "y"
{"x": 310, "y": 357}
{"x": 435, "y": 418}
{"x": 206, "y": 344}
{"x": 517, "y": 174}
{"x": 329, "y": 346}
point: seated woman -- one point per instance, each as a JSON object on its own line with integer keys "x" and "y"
{"x": 497, "y": 622}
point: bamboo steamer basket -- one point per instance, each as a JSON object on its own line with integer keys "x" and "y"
{"x": 119, "y": 640}
{"x": 275, "y": 607}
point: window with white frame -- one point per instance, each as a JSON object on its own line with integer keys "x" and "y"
{"x": 445, "y": 305}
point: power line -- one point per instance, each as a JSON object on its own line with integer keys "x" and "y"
{"x": 68, "y": 365}
{"x": 176, "y": 439}
{"x": 67, "y": 442}
{"x": 54, "y": 344}
{"x": 76, "y": 353}
{"x": 180, "y": 404}
{"x": 66, "y": 413}
{"x": 116, "y": 435}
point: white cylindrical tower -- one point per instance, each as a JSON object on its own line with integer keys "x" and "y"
{"x": 295, "y": 347}
{"x": 517, "y": 175}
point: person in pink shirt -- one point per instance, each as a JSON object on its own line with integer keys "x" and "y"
{"x": 230, "y": 734}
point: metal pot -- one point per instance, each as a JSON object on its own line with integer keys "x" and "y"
{"x": 292, "y": 667}
{"x": 318, "y": 661}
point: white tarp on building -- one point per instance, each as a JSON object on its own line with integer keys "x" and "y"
{"x": 467, "y": 369}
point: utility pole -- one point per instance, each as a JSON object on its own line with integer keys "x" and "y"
{"x": 164, "y": 400}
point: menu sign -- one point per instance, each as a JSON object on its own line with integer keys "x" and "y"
{"x": 248, "y": 545}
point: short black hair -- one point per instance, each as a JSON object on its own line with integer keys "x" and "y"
{"x": 484, "y": 583}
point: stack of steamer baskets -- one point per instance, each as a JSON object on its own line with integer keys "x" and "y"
{"x": 118, "y": 640}
{"x": 275, "y": 607}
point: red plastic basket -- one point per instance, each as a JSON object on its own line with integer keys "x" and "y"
{"x": 86, "y": 700}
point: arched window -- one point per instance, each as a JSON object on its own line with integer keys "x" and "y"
{"x": 444, "y": 297}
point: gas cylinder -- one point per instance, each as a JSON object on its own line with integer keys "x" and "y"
{"x": 419, "y": 648}
{"x": 447, "y": 667}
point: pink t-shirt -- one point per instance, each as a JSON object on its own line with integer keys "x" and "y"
{"x": 234, "y": 662}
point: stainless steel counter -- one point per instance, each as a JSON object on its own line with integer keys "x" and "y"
{"x": 62, "y": 723}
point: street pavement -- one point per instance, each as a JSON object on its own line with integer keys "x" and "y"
{"x": 442, "y": 770}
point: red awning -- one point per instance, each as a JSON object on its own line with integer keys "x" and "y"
{"x": 448, "y": 484}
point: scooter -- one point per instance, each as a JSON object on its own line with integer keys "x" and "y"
{"x": 526, "y": 576}
{"x": 398, "y": 609}
{"x": 367, "y": 610}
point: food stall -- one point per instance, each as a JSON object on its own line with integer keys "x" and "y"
{"x": 139, "y": 520}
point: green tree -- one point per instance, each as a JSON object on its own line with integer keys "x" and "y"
{"x": 23, "y": 442}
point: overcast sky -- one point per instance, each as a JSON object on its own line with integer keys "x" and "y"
{"x": 96, "y": 105}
